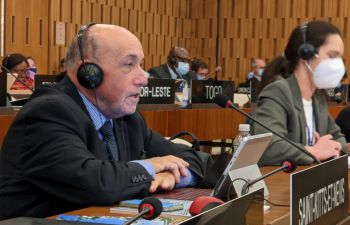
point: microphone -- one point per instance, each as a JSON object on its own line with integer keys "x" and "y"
{"x": 223, "y": 101}
{"x": 287, "y": 166}
{"x": 204, "y": 203}
{"x": 149, "y": 208}
{"x": 17, "y": 79}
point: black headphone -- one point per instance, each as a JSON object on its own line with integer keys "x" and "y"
{"x": 89, "y": 75}
{"x": 171, "y": 57}
{"x": 6, "y": 59}
{"x": 306, "y": 50}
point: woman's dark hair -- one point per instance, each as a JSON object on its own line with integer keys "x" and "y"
{"x": 316, "y": 33}
{"x": 12, "y": 60}
{"x": 198, "y": 63}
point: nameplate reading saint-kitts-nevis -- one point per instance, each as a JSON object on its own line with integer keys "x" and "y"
{"x": 319, "y": 195}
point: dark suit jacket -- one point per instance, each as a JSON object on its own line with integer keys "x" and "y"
{"x": 52, "y": 160}
{"x": 343, "y": 122}
{"x": 162, "y": 72}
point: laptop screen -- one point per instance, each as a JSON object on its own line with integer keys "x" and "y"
{"x": 248, "y": 153}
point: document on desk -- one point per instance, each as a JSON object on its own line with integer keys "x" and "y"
{"x": 109, "y": 220}
{"x": 184, "y": 211}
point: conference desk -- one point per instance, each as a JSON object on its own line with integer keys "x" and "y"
{"x": 206, "y": 121}
{"x": 278, "y": 185}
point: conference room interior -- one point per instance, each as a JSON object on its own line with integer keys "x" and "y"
{"x": 225, "y": 33}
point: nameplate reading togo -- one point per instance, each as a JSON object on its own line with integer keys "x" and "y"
{"x": 158, "y": 91}
{"x": 319, "y": 195}
{"x": 204, "y": 91}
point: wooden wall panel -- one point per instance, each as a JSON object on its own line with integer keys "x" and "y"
{"x": 260, "y": 28}
{"x": 26, "y": 35}
{"x": 247, "y": 28}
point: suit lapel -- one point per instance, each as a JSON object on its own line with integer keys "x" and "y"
{"x": 121, "y": 136}
{"x": 321, "y": 112}
{"x": 69, "y": 89}
{"x": 297, "y": 102}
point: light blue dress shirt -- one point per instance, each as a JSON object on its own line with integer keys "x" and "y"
{"x": 99, "y": 119}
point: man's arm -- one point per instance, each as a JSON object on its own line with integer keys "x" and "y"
{"x": 58, "y": 157}
{"x": 158, "y": 146}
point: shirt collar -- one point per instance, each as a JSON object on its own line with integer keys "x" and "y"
{"x": 96, "y": 115}
{"x": 172, "y": 73}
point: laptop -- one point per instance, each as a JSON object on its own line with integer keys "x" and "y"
{"x": 248, "y": 153}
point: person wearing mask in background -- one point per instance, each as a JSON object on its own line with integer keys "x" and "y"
{"x": 18, "y": 65}
{"x": 32, "y": 65}
{"x": 292, "y": 102}
{"x": 258, "y": 66}
{"x": 201, "y": 69}
{"x": 177, "y": 66}
{"x": 81, "y": 142}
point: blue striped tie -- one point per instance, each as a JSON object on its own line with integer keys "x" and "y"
{"x": 108, "y": 138}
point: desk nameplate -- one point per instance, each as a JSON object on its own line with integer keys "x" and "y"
{"x": 319, "y": 195}
{"x": 158, "y": 91}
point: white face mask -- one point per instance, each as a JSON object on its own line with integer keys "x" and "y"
{"x": 328, "y": 73}
{"x": 260, "y": 72}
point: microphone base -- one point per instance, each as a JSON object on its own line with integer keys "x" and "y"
{"x": 249, "y": 173}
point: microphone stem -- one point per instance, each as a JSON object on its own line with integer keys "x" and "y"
{"x": 275, "y": 133}
{"x": 246, "y": 186}
{"x": 137, "y": 217}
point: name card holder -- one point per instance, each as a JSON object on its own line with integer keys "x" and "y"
{"x": 319, "y": 195}
{"x": 158, "y": 91}
{"x": 204, "y": 91}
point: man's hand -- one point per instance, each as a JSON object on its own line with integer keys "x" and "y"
{"x": 163, "y": 181}
{"x": 173, "y": 164}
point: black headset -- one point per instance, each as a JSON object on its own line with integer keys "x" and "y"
{"x": 5, "y": 63}
{"x": 306, "y": 50}
{"x": 89, "y": 75}
{"x": 171, "y": 57}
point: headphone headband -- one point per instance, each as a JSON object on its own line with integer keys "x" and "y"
{"x": 89, "y": 75}
{"x": 306, "y": 50}
{"x": 80, "y": 38}
{"x": 6, "y": 60}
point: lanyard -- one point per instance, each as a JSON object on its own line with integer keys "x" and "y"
{"x": 311, "y": 133}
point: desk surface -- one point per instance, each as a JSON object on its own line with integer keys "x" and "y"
{"x": 277, "y": 184}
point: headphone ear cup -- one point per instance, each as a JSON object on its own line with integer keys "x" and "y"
{"x": 90, "y": 75}
{"x": 172, "y": 61}
{"x": 306, "y": 51}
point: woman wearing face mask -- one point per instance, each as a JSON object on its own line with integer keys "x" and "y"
{"x": 292, "y": 101}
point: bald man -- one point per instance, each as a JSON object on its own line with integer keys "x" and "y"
{"x": 176, "y": 67}
{"x": 81, "y": 142}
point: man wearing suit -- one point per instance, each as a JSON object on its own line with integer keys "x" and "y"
{"x": 81, "y": 142}
{"x": 177, "y": 66}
